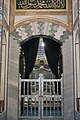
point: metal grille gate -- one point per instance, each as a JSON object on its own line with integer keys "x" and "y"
{"x": 40, "y": 98}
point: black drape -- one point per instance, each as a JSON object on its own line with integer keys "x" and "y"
{"x": 30, "y": 52}
{"x": 52, "y": 49}
{"x": 30, "y": 49}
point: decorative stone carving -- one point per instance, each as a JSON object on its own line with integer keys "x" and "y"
{"x": 28, "y": 29}
{"x": 65, "y": 36}
{"x": 53, "y": 29}
{"x": 40, "y": 28}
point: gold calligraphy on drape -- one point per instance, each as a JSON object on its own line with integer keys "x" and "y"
{"x": 40, "y": 4}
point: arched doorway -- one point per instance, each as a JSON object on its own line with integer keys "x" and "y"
{"x": 53, "y": 32}
{"x": 40, "y": 82}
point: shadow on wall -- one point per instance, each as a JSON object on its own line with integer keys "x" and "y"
{"x": 77, "y": 115}
{"x": 3, "y": 116}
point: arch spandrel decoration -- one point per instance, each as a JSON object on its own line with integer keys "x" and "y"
{"x": 40, "y": 28}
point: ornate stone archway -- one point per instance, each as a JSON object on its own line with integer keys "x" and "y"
{"x": 52, "y": 30}
{"x": 27, "y": 24}
{"x": 40, "y": 28}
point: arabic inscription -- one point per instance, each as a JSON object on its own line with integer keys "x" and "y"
{"x": 40, "y": 4}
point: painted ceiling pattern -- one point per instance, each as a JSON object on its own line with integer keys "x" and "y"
{"x": 40, "y": 28}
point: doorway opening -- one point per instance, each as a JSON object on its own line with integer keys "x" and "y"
{"x": 40, "y": 82}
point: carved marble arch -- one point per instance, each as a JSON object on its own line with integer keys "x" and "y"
{"x": 38, "y": 28}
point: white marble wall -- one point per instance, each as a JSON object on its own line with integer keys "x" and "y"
{"x": 13, "y": 81}
{"x": 68, "y": 80}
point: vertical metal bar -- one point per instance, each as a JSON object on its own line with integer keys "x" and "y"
{"x": 39, "y": 87}
{"x": 57, "y": 99}
{"x": 54, "y": 88}
{"x": 31, "y": 106}
{"x": 28, "y": 95}
{"x": 42, "y": 107}
{"x": 50, "y": 97}
{"x": 35, "y": 106}
{"x": 62, "y": 97}
{"x": 19, "y": 96}
{"x": 46, "y": 106}
{"x": 39, "y": 109}
{"x": 39, "y": 98}
{"x": 28, "y": 88}
{"x": 32, "y": 99}
{"x": 24, "y": 88}
{"x": 36, "y": 96}
{"x": 50, "y": 105}
{"x": 42, "y": 96}
{"x": 27, "y": 106}
{"x": 54, "y": 96}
